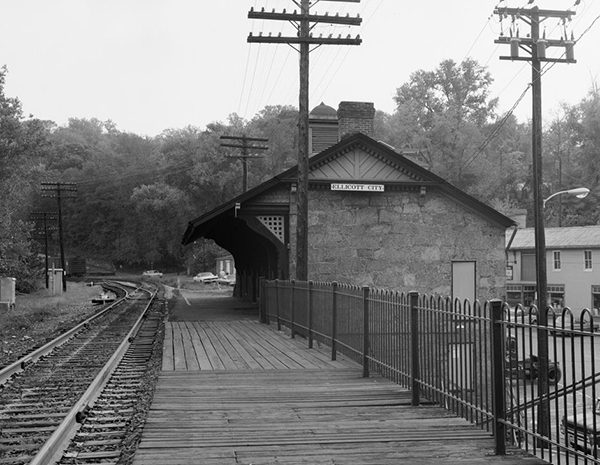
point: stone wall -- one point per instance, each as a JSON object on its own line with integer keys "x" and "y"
{"x": 397, "y": 240}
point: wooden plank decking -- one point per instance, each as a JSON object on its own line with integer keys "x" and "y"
{"x": 238, "y": 392}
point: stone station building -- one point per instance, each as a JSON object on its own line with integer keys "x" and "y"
{"x": 376, "y": 218}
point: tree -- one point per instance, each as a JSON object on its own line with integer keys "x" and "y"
{"x": 160, "y": 214}
{"x": 22, "y": 145}
{"x": 574, "y": 140}
{"x": 443, "y": 114}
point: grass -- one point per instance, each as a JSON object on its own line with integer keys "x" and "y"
{"x": 40, "y": 316}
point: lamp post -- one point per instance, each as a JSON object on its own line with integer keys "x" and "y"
{"x": 579, "y": 192}
{"x": 542, "y": 301}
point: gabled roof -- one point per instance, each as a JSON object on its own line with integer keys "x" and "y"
{"x": 575, "y": 237}
{"x": 357, "y": 158}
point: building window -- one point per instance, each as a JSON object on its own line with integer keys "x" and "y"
{"x": 556, "y": 260}
{"x": 587, "y": 260}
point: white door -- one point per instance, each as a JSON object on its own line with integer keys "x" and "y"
{"x": 463, "y": 281}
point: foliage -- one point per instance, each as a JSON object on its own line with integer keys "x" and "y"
{"x": 23, "y": 144}
{"x": 136, "y": 194}
{"x": 443, "y": 113}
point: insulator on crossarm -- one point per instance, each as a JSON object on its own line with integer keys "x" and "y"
{"x": 330, "y": 36}
{"x": 260, "y": 34}
{"x": 250, "y": 35}
{"x": 339, "y": 36}
{"x": 269, "y": 34}
{"x": 251, "y": 8}
{"x": 284, "y": 11}
{"x": 348, "y": 36}
{"x": 262, "y": 10}
{"x": 279, "y": 35}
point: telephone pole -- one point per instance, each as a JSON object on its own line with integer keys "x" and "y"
{"x": 60, "y": 190}
{"x": 45, "y": 217}
{"x": 301, "y": 42}
{"x": 246, "y": 145}
{"x": 535, "y": 47}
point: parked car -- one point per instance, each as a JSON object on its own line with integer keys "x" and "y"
{"x": 152, "y": 274}
{"x": 579, "y": 430}
{"x": 227, "y": 280}
{"x": 205, "y": 277}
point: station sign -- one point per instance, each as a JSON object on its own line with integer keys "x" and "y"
{"x": 358, "y": 187}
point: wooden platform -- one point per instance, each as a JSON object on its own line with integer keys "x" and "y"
{"x": 239, "y": 345}
{"x": 242, "y": 393}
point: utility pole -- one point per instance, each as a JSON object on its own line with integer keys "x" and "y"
{"x": 304, "y": 22}
{"x": 245, "y": 146}
{"x": 45, "y": 217}
{"x": 60, "y": 190}
{"x": 535, "y": 47}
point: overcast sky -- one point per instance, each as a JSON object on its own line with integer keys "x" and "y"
{"x": 151, "y": 65}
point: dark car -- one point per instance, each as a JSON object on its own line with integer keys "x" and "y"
{"x": 581, "y": 431}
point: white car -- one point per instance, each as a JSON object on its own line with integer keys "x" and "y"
{"x": 205, "y": 277}
{"x": 227, "y": 280}
{"x": 152, "y": 273}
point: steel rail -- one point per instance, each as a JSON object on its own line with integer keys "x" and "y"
{"x": 7, "y": 372}
{"x": 54, "y": 447}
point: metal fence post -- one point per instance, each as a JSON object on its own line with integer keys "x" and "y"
{"x": 277, "y": 304}
{"x": 498, "y": 385}
{"x": 365, "y": 355}
{"x": 415, "y": 372}
{"x": 334, "y": 286}
{"x": 292, "y": 315}
{"x": 310, "y": 315}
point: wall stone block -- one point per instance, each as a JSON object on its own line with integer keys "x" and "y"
{"x": 390, "y": 240}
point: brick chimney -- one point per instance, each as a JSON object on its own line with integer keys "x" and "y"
{"x": 355, "y": 117}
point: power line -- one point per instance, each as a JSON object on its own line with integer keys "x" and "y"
{"x": 546, "y": 68}
{"x": 246, "y": 144}
{"x": 302, "y": 41}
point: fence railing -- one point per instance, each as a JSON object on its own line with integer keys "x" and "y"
{"x": 476, "y": 360}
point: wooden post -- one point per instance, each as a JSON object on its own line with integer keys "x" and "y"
{"x": 292, "y": 313}
{"x": 498, "y": 383}
{"x": 365, "y": 356}
{"x": 415, "y": 372}
{"x": 310, "y": 315}
{"x": 262, "y": 307}
{"x": 334, "y": 286}
{"x": 277, "y": 305}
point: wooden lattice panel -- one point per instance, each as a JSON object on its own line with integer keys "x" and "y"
{"x": 275, "y": 225}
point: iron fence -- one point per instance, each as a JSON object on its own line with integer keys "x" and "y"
{"x": 478, "y": 360}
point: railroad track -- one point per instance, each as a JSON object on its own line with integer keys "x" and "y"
{"x": 87, "y": 386}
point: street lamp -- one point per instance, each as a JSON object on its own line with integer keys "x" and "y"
{"x": 579, "y": 192}
{"x": 542, "y": 301}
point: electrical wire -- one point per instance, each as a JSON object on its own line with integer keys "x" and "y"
{"x": 544, "y": 70}
{"x": 331, "y": 76}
